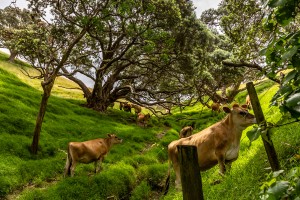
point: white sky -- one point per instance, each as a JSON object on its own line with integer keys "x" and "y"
{"x": 202, "y": 5}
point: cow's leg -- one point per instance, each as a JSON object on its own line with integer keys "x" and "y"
{"x": 98, "y": 164}
{"x": 178, "y": 177}
{"x": 73, "y": 165}
{"x": 221, "y": 161}
{"x": 228, "y": 164}
{"x": 67, "y": 167}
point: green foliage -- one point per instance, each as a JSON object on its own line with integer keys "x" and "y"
{"x": 283, "y": 52}
{"x": 280, "y": 185}
{"x": 142, "y": 191}
{"x": 154, "y": 174}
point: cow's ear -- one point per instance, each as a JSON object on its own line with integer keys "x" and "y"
{"x": 226, "y": 109}
{"x": 109, "y": 135}
{"x": 244, "y": 106}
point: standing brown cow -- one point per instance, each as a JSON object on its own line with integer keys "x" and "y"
{"x": 89, "y": 151}
{"x": 125, "y": 106}
{"x": 143, "y": 119}
{"x": 186, "y": 132}
{"x": 217, "y": 144}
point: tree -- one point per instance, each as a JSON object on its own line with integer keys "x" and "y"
{"x": 283, "y": 52}
{"x": 269, "y": 43}
{"x": 12, "y": 19}
{"x": 134, "y": 54}
{"x": 48, "y": 46}
{"x": 241, "y": 22}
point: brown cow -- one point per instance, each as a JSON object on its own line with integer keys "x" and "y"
{"x": 127, "y": 107}
{"x": 143, "y": 119}
{"x": 186, "y": 132}
{"x": 248, "y": 101}
{"x": 215, "y": 107}
{"x": 121, "y": 105}
{"x": 89, "y": 151}
{"x": 217, "y": 144}
{"x": 137, "y": 108}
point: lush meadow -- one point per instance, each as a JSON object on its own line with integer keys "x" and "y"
{"x": 135, "y": 169}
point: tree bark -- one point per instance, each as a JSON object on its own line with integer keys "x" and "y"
{"x": 13, "y": 55}
{"x": 250, "y": 65}
{"x": 98, "y": 104}
{"x": 102, "y": 95}
{"x": 234, "y": 91}
{"x": 39, "y": 121}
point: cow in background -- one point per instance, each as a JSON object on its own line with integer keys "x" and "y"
{"x": 186, "y": 132}
{"x": 125, "y": 106}
{"x": 121, "y": 105}
{"x": 248, "y": 102}
{"x": 89, "y": 151}
{"x": 143, "y": 119}
{"x": 217, "y": 144}
{"x": 137, "y": 108}
{"x": 215, "y": 108}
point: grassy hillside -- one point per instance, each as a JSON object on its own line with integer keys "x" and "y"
{"x": 135, "y": 169}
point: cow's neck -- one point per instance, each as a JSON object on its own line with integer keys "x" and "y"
{"x": 234, "y": 130}
{"x": 108, "y": 143}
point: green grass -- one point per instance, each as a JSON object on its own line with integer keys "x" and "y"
{"x": 135, "y": 169}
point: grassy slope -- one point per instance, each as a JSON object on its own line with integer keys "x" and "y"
{"x": 138, "y": 166}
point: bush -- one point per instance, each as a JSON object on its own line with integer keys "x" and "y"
{"x": 139, "y": 160}
{"x": 154, "y": 175}
{"x": 142, "y": 191}
{"x": 282, "y": 186}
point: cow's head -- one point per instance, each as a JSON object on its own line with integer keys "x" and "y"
{"x": 114, "y": 139}
{"x": 240, "y": 115}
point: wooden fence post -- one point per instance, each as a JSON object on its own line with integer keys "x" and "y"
{"x": 269, "y": 147}
{"x": 190, "y": 173}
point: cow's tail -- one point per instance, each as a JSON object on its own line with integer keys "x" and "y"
{"x": 68, "y": 163}
{"x": 167, "y": 184}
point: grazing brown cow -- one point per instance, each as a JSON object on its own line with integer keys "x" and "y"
{"x": 89, "y": 151}
{"x": 217, "y": 144}
{"x": 248, "y": 102}
{"x": 143, "y": 119}
{"x": 137, "y": 108}
{"x": 186, "y": 132}
{"x": 127, "y": 107}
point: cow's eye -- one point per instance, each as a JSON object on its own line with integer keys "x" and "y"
{"x": 243, "y": 113}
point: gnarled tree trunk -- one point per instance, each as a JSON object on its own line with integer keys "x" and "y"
{"x": 39, "y": 121}
{"x": 13, "y": 55}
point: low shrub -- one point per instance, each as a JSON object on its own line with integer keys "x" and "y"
{"x": 142, "y": 191}
{"x": 154, "y": 175}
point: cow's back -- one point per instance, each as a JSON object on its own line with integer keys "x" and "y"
{"x": 87, "y": 151}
